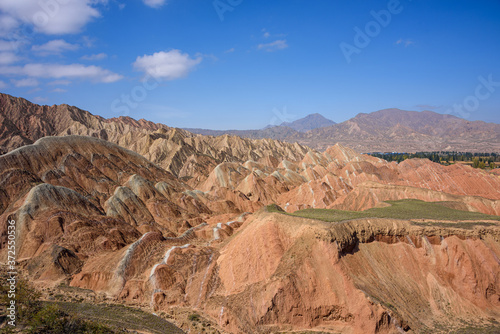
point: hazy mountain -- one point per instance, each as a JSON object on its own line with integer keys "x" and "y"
{"x": 310, "y": 122}
{"x": 402, "y": 130}
{"x": 280, "y": 132}
{"x": 385, "y": 130}
{"x": 271, "y": 132}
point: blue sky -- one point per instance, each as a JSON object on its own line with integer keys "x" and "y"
{"x": 241, "y": 64}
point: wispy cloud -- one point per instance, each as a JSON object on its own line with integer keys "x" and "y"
{"x": 7, "y": 23}
{"x": 154, "y": 3}
{"x": 404, "y": 42}
{"x": 266, "y": 34}
{"x": 59, "y": 90}
{"x": 54, "y": 47}
{"x": 58, "y": 71}
{"x": 3, "y": 84}
{"x": 40, "y": 99}
{"x": 230, "y": 50}
{"x": 279, "y": 44}
{"x": 8, "y": 58}
{"x": 167, "y": 65}
{"x": 9, "y": 45}
{"x": 28, "y": 82}
{"x": 99, "y": 56}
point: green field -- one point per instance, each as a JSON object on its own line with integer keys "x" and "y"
{"x": 403, "y": 209}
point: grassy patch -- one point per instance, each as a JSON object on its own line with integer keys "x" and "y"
{"x": 478, "y": 330}
{"x": 118, "y": 316}
{"x": 274, "y": 208}
{"x": 402, "y": 209}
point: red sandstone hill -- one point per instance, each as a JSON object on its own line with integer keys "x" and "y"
{"x": 163, "y": 219}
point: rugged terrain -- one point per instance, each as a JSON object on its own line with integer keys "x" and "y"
{"x": 161, "y": 219}
{"x": 388, "y": 130}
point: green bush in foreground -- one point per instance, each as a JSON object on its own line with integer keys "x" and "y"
{"x": 35, "y": 317}
{"x": 50, "y": 319}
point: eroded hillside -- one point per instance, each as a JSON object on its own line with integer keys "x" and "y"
{"x": 162, "y": 219}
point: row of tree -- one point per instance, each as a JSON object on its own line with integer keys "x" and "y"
{"x": 476, "y": 160}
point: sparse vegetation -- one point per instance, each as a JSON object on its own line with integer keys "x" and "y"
{"x": 50, "y": 319}
{"x": 402, "y": 209}
{"x": 119, "y": 316}
{"x": 274, "y": 208}
{"x": 36, "y": 316}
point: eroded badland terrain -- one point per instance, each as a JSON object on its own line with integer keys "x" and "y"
{"x": 213, "y": 235}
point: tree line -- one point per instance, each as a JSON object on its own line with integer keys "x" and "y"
{"x": 476, "y": 160}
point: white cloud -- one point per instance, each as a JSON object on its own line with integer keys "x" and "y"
{"x": 2, "y": 84}
{"x": 28, "y": 82}
{"x": 405, "y": 42}
{"x": 168, "y": 65}
{"x": 50, "y": 17}
{"x": 98, "y": 56}
{"x": 57, "y": 71}
{"x": 7, "y": 23}
{"x": 279, "y": 44}
{"x": 230, "y": 50}
{"x": 9, "y": 45}
{"x": 59, "y": 90}
{"x": 54, "y": 47}
{"x": 154, "y": 3}
{"x": 88, "y": 41}
{"x": 8, "y": 58}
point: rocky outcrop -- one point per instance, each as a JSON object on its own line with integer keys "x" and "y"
{"x": 54, "y": 264}
{"x": 88, "y": 196}
{"x": 177, "y": 151}
{"x": 280, "y": 272}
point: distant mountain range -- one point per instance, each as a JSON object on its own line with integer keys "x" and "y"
{"x": 407, "y": 131}
{"x": 383, "y": 131}
{"x": 284, "y": 130}
{"x": 388, "y": 130}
